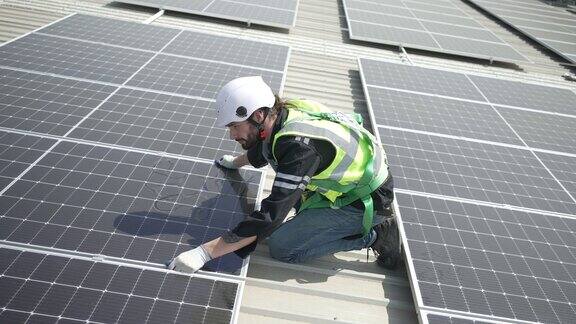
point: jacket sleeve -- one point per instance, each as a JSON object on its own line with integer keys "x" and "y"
{"x": 297, "y": 163}
{"x": 255, "y": 157}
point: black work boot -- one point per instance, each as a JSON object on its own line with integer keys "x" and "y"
{"x": 387, "y": 244}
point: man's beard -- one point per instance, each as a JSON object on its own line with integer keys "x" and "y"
{"x": 250, "y": 141}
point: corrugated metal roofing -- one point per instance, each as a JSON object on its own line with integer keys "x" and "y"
{"x": 323, "y": 66}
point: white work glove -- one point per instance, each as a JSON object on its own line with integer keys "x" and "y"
{"x": 190, "y": 261}
{"x": 227, "y": 161}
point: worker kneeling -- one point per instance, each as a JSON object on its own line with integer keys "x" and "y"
{"x": 328, "y": 167}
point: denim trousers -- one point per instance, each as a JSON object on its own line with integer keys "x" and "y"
{"x": 316, "y": 232}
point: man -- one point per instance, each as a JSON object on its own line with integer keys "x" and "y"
{"x": 327, "y": 166}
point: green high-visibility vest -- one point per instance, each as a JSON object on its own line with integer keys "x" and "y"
{"x": 359, "y": 167}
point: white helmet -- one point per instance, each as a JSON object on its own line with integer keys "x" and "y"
{"x": 239, "y": 98}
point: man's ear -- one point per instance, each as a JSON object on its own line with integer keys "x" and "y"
{"x": 259, "y": 116}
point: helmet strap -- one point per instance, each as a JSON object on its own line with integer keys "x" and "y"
{"x": 260, "y": 126}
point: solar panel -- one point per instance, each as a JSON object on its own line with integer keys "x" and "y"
{"x": 436, "y": 6}
{"x": 37, "y": 287}
{"x": 459, "y": 86}
{"x": 490, "y": 261}
{"x": 112, "y": 31}
{"x": 100, "y": 158}
{"x": 158, "y": 122}
{"x": 463, "y": 21}
{"x": 549, "y": 26}
{"x": 126, "y": 204}
{"x": 275, "y": 13}
{"x": 461, "y": 31}
{"x": 232, "y": 50}
{"x": 488, "y": 50}
{"x": 394, "y": 35}
{"x": 17, "y": 153}
{"x": 485, "y": 191}
{"x": 439, "y": 115}
{"x": 429, "y": 25}
{"x": 464, "y": 169}
{"x": 377, "y": 7}
{"x": 567, "y": 37}
{"x": 543, "y": 131}
{"x": 404, "y": 77}
{"x": 175, "y": 85}
{"x": 563, "y": 168}
{"x": 532, "y": 96}
{"x": 439, "y": 318}
{"x": 194, "y": 77}
{"x": 46, "y": 104}
{"x": 73, "y": 58}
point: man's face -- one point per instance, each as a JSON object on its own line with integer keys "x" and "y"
{"x": 245, "y": 133}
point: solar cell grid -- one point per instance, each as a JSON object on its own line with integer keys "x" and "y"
{"x": 193, "y": 77}
{"x": 439, "y": 115}
{"x": 252, "y": 13}
{"x": 554, "y": 36}
{"x": 438, "y": 3}
{"x": 519, "y": 94}
{"x": 521, "y": 22}
{"x": 132, "y": 205}
{"x": 537, "y": 5}
{"x": 543, "y": 131}
{"x": 447, "y": 319}
{"x": 461, "y": 31}
{"x": 544, "y": 13}
{"x": 450, "y": 19}
{"x": 473, "y": 249}
{"x": 427, "y": 112}
{"x": 384, "y": 19}
{"x": 563, "y": 167}
{"x": 158, "y": 122}
{"x": 17, "y": 153}
{"x": 564, "y": 47}
{"x": 46, "y": 104}
{"x": 405, "y": 77}
{"x": 392, "y": 35}
{"x": 186, "y": 5}
{"x": 231, "y": 50}
{"x": 112, "y": 31}
{"x": 126, "y": 204}
{"x": 49, "y": 288}
{"x": 458, "y": 44}
{"x": 531, "y": 15}
{"x": 379, "y": 7}
{"x": 432, "y": 6}
{"x": 491, "y": 261}
{"x": 429, "y": 25}
{"x": 72, "y": 58}
{"x": 477, "y": 171}
{"x": 279, "y": 4}
{"x": 273, "y": 13}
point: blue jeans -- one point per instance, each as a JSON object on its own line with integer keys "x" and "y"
{"x": 317, "y": 232}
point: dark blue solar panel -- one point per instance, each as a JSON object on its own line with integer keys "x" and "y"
{"x": 47, "y": 288}
{"x": 491, "y": 261}
{"x": 125, "y": 204}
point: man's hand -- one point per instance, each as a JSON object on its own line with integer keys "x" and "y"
{"x": 227, "y": 161}
{"x": 190, "y": 261}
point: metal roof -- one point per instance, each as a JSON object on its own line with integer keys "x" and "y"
{"x": 323, "y": 66}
